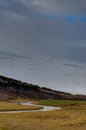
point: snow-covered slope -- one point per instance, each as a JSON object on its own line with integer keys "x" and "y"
{"x": 57, "y": 74}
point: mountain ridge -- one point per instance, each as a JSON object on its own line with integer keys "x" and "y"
{"x": 12, "y": 89}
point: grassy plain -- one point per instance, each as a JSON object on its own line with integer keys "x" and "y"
{"x": 61, "y": 103}
{"x": 71, "y": 117}
{"x": 6, "y": 106}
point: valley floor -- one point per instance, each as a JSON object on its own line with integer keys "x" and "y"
{"x": 71, "y": 117}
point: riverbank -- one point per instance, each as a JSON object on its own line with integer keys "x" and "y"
{"x": 19, "y": 107}
{"x": 11, "y": 107}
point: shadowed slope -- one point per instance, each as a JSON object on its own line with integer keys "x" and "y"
{"x": 12, "y": 89}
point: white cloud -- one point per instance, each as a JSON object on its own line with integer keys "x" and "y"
{"x": 58, "y": 6}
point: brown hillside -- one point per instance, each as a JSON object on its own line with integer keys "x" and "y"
{"x": 11, "y": 89}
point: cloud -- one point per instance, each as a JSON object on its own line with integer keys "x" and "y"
{"x": 54, "y": 28}
{"x": 59, "y": 6}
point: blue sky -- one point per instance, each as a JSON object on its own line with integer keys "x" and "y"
{"x": 50, "y": 28}
{"x": 69, "y": 19}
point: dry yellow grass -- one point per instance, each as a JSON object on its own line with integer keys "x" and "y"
{"x": 19, "y": 99}
{"x": 69, "y": 118}
{"x": 4, "y": 106}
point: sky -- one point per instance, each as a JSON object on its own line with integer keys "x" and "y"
{"x": 48, "y": 28}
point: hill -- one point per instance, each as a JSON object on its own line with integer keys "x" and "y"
{"x": 11, "y": 89}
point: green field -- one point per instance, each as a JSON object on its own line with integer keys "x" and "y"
{"x": 60, "y": 103}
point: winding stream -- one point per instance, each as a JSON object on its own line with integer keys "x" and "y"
{"x": 44, "y": 108}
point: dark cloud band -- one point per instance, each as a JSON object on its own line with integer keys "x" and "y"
{"x": 37, "y": 26}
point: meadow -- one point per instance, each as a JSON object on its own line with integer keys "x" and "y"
{"x": 7, "y": 106}
{"x": 60, "y": 103}
{"x": 71, "y": 117}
